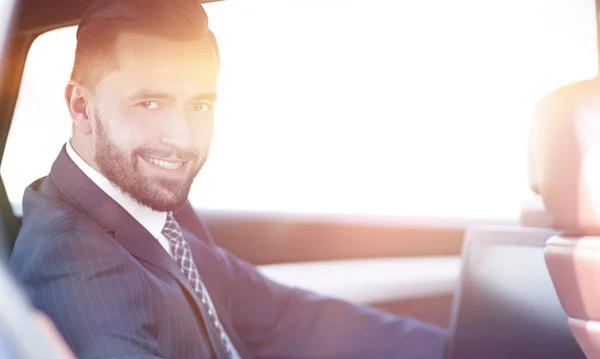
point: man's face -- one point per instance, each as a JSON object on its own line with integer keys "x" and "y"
{"x": 152, "y": 118}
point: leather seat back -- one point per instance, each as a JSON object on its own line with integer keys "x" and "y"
{"x": 567, "y": 157}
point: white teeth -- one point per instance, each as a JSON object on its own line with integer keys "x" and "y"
{"x": 165, "y": 164}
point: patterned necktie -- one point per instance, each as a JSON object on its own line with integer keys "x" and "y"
{"x": 181, "y": 252}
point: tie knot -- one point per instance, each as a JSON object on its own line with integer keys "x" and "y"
{"x": 171, "y": 230}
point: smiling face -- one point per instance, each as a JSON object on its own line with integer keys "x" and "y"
{"x": 147, "y": 125}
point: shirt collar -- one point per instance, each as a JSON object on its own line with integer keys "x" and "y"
{"x": 151, "y": 220}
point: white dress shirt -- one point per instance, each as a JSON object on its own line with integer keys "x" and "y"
{"x": 151, "y": 220}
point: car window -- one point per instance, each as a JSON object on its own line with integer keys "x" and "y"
{"x": 412, "y": 109}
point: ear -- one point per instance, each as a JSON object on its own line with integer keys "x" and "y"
{"x": 78, "y": 107}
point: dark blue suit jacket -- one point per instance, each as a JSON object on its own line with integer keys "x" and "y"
{"x": 114, "y": 292}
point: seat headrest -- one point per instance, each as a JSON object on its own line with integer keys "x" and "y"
{"x": 565, "y": 157}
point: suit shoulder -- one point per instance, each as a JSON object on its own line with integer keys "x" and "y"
{"x": 57, "y": 231}
{"x": 47, "y": 213}
{"x": 47, "y": 224}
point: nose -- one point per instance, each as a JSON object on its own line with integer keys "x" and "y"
{"x": 177, "y": 131}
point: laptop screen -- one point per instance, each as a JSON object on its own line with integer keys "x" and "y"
{"x": 506, "y": 306}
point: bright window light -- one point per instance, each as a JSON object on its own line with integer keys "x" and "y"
{"x": 398, "y": 108}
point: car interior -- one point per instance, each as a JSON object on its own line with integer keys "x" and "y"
{"x": 458, "y": 188}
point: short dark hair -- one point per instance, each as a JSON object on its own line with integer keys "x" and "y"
{"x": 104, "y": 20}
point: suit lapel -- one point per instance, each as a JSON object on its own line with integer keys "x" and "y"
{"x": 135, "y": 239}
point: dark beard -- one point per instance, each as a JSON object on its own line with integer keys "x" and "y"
{"x": 159, "y": 194}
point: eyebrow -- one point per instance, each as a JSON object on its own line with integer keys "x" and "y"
{"x": 145, "y": 94}
{"x": 209, "y": 96}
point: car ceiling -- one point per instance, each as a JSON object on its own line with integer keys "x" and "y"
{"x": 37, "y": 16}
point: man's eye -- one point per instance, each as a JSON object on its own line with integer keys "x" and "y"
{"x": 201, "y": 107}
{"x": 149, "y": 104}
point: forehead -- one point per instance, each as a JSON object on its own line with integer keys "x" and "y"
{"x": 150, "y": 61}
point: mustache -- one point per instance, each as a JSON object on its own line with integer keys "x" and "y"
{"x": 180, "y": 154}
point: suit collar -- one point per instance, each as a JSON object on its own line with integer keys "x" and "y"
{"x": 85, "y": 195}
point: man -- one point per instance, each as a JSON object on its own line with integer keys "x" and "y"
{"x": 110, "y": 247}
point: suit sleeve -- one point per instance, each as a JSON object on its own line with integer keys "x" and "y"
{"x": 275, "y": 321}
{"x": 86, "y": 291}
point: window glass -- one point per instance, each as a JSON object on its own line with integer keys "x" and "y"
{"x": 410, "y": 108}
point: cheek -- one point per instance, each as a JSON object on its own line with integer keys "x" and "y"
{"x": 202, "y": 134}
{"x": 129, "y": 134}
